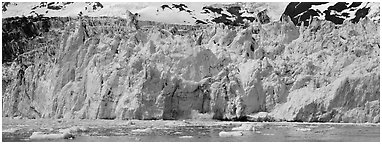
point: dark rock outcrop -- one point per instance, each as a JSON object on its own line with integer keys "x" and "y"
{"x": 305, "y": 12}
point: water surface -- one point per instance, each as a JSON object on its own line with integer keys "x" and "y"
{"x": 194, "y": 131}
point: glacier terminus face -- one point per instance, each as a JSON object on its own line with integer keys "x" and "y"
{"x": 225, "y": 70}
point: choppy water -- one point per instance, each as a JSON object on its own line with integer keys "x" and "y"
{"x": 269, "y": 133}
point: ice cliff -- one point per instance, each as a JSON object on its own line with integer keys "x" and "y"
{"x": 109, "y": 68}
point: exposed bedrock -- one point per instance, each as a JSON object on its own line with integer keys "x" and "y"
{"x": 107, "y": 68}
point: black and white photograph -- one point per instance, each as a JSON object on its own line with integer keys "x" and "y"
{"x": 205, "y": 71}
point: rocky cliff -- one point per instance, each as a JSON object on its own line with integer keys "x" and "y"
{"x": 107, "y": 68}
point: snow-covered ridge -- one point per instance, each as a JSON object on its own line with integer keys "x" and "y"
{"x": 191, "y": 13}
{"x": 177, "y": 13}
